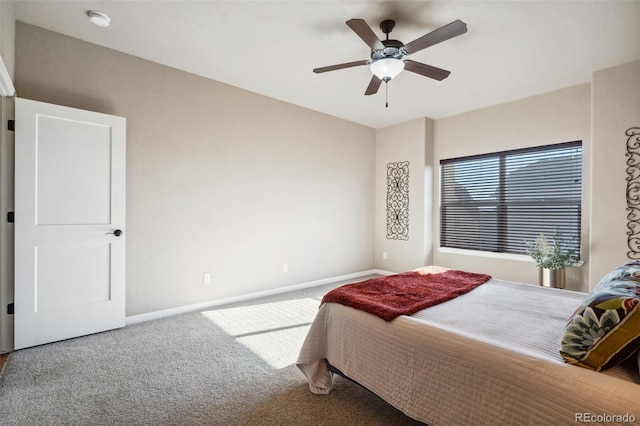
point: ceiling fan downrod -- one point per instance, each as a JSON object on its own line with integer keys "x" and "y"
{"x": 387, "y": 26}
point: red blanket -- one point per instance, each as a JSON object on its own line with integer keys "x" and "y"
{"x": 406, "y": 293}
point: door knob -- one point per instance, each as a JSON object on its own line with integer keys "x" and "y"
{"x": 117, "y": 232}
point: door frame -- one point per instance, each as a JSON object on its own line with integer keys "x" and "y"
{"x": 7, "y": 179}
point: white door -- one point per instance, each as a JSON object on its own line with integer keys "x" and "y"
{"x": 69, "y": 223}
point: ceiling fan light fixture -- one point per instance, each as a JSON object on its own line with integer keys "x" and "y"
{"x": 387, "y": 68}
{"x": 99, "y": 18}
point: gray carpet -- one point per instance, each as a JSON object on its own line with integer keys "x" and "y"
{"x": 227, "y": 366}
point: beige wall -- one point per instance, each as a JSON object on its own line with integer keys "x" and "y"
{"x": 219, "y": 179}
{"x": 616, "y": 108}
{"x": 555, "y": 117}
{"x": 413, "y": 142}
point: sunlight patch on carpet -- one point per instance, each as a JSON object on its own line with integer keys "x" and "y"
{"x": 273, "y": 331}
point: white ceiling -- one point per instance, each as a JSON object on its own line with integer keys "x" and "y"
{"x": 512, "y": 49}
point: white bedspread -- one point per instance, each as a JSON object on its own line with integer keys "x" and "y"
{"x": 487, "y": 357}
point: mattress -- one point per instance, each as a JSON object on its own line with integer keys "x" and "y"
{"x": 487, "y": 357}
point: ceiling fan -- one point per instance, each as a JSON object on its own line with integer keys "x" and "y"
{"x": 387, "y": 56}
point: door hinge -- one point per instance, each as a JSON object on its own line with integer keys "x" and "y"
{"x": 10, "y": 307}
{"x": 11, "y": 217}
{"x": 11, "y": 125}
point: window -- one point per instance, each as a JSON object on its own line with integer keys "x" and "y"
{"x": 496, "y": 202}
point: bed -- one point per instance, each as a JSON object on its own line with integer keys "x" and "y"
{"x": 490, "y": 356}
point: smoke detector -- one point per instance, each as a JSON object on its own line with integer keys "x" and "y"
{"x": 99, "y": 18}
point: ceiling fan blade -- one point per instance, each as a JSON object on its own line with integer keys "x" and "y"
{"x": 341, "y": 66}
{"x": 450, "y": 30}
{"x": 373, "y": 86}
{"x": 364, "y": 31}
{"x": 426, "y": 70}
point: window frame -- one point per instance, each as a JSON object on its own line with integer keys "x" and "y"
{"x": 502, "y": 236}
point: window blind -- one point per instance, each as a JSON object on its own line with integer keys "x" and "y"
{"x": 496, "y": 202}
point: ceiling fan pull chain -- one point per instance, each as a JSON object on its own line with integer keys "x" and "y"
{"x": 386, "y": 94}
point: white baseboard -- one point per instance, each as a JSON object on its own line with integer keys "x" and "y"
{"x": 134, "y": 319}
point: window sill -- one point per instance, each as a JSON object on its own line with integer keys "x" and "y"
{"x": 489, "y": 254}
{"x": 493, "y": 255}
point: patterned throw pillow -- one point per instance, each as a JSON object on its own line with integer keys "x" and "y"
{"x": 605, "y": 330}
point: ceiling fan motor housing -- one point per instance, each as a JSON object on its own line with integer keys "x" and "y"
{"x": 392, "y": 49}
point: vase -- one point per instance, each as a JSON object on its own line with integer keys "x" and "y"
{"x": 551, "y": 277}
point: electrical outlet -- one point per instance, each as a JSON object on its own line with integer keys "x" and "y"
{"x": 206, "y": 278}
{"x": 285, "y": 267}
{"x": 384, "y": 254}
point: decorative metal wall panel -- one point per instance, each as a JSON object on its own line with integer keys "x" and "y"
{"x": 633, "y": 192}
{"x": 398, "y": 201}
